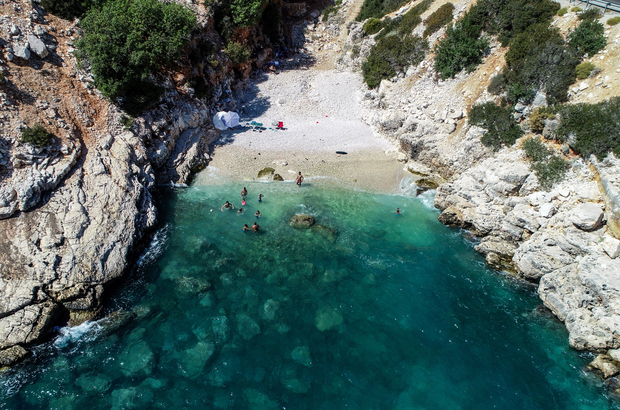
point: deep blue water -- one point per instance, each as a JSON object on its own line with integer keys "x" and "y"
{"x": 368, "y": 310}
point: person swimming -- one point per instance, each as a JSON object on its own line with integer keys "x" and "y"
{"x": 398, "y": 211}
{"x": 243, "y": 202}
{"x": 244, "y": 192}
{"x": 240, "y": 210}
{"x": 255, "y": 227}
{"x": 228, "y": 205}
{"x": 258, "y": 214}
{"x": 260, "y": 197}
{"x": 246, "y": 228}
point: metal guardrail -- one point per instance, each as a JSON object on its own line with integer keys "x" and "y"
{"x": 613, "y": 5}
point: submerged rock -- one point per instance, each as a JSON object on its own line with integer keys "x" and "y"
{"x": 270, "y": 309}
{"x": 301, "y": 354}
{"x": 194, "y": 360}
{"x": 137, "y": 360}
{"x": 247, "y": 327}
{"x": 98, "y": 384}
{"x": 259, "y": 401}
{"x": 327, "y": 318}
{"x": 301, "y": 221}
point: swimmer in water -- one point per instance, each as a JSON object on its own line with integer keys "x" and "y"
{"x": 260, "y": 197}
{"x": 240, "y": 210}
{"x": 398, "y": 211}
{"x": 228, "y": 205}
{"x": 258, "y": 214}
{"x": 300, "y": 179}
{"x": 244, "y": 192}
{"x": 246, "y": 228}
{"x": 243, "y": 202}
{"x": 255, "y": 227}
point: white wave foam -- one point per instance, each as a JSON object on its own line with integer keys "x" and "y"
{"x": 156, "y": 247}
{"x": 428, "y": 199}
{"x": 406, "y": 187}
{"x": 70, "y": 335}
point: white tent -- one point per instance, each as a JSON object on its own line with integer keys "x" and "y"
{"x": 223, "y": 120}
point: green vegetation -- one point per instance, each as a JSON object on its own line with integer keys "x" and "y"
{"x": 588, "y": 38}
{"x": 462, "y": 48}
{"x": 372, "y": 26}
{"x": 497, "y": 84}
{"x": 562, "y": 11}
{"x": 613, "y": 21}
{"x": 355, "y": 51}
{"x": 539, "y": 58}
{"x": 126, "y": 41}
{"x": 576, "y": 9}
{"x": 237, "y": 53}
{"x": 592, "y": 129}
{"x": 66, "y": 9}
{"x": 549, "y": 168}
{"x": 590, "y": 14}
{"x": 127, "y": 121}
{"x": 499, "y": 122}
{"x": 328, "y": 11}
{"x": 246, "y": 12}
{"x": 390, "y": 56}
{"x": 378, "y": 8}
{"x": 538, "y": 117}
{"x": 439, "y": 18}
{"x": 583, "y": 70}
{"x": 37, "y": 136}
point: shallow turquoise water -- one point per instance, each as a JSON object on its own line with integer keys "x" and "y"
{"x": 368, "y": 311}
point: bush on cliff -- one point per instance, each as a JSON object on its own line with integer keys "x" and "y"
{"x": 125, "y": 41}
{"x": 462, "y": 47}
{"x": 549, "y": 168}
{"x": 592, "y": 128}
{"x": 613, "y": 21}
{"x": 439, "y": 18}
{"x": 588, "y": 38}
{"x": 502, "y": 129}
{"x": 590, "y": 14}
{"x": 390, "y": 56}
{"x": 237, "y": 53}
{"x": 583, "y": 70}
{"x": 66, "y": 9}
{"x": 372, "y": 26}
{"x": 37, "y": 136}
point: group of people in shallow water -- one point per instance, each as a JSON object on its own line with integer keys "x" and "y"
{"x": 257, "y": 214}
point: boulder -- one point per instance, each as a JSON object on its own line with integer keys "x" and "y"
{"x": 266, "y": 173}
{"x": 301, "y": 221}
{"x": 547, "y": 210}
{"x": 588, "y": 216}
{"x": 278, "y": 177}
{"x": 21, "y": 52}
{"x": 611, "y": 246}
{"x": 12, "y": 355}
{"x": 37, "y": 46}
{"x": 605, "y": 366}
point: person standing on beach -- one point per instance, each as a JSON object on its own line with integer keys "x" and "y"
{"x": 300, "y": 179}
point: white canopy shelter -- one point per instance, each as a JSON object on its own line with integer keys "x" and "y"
{"x": 223, "y": 120}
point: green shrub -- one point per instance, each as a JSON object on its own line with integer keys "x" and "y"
{"x": 246, "y": 13}
{"x": 613, "y": 21}
{"x": 576, "y": 9}
{"x": 370, "y": 8}
{"x": 37, "y": 136}
{"x": 590, "y": 14}
{"x": 237, "y": 53}
{"x": 355, "y": 51}
{"x": 125, "y": 41}
{"x": 462, "y": 48}
{"x": 66, "y": 9}
{"x": 562, "y": 11}
{"x": 592, "y": 129}
{"x": 127, "y": 121}
{"x": 372, "y": 26}
{"x": 550, "y": 171}
{"x": 392, "y": 55}
{"x": 536, "y": 150}
{"x": 328, "y": 11}
{"x": 389, "y": 26}
{"x": 538, "y": 117}
{"x": 583, "y": 70}
{"x": 497, "y": 84}
{"x": 513, "y": 17}
{"x": 439, "y": 18}
{"x": 502, "y": 129}
{"x": 530, "y": 41}
{"x": 588, "y": 38}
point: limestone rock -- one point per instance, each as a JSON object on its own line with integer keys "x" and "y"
{"x": 611, "y": 246}
{"x": 12, "y": 355}
{"x": 265, "y": 173}
{"x": 604, "y": 365}
{"x": 588, "y": 216}
{"x": 301, "y": 221}
{"x": 301, "y": 354}
{"x": 277, "y": 177}
{"x": 547, "y": 210}
{"x": 21, "y": 51}
{"x": 37, "y": 46}
{"x": 328, "y": 318}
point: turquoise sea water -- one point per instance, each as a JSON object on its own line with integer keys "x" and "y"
{"x": 367, "y": 311}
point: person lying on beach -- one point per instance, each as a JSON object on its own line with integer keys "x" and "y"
{"x": 246, "y": 228}
{"x": 257, "y": 214}
{"x": 255, "y": 227}
{"x": 228, "y": 205}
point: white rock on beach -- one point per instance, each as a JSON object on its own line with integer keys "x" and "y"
{"x": 588, "y": 216}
